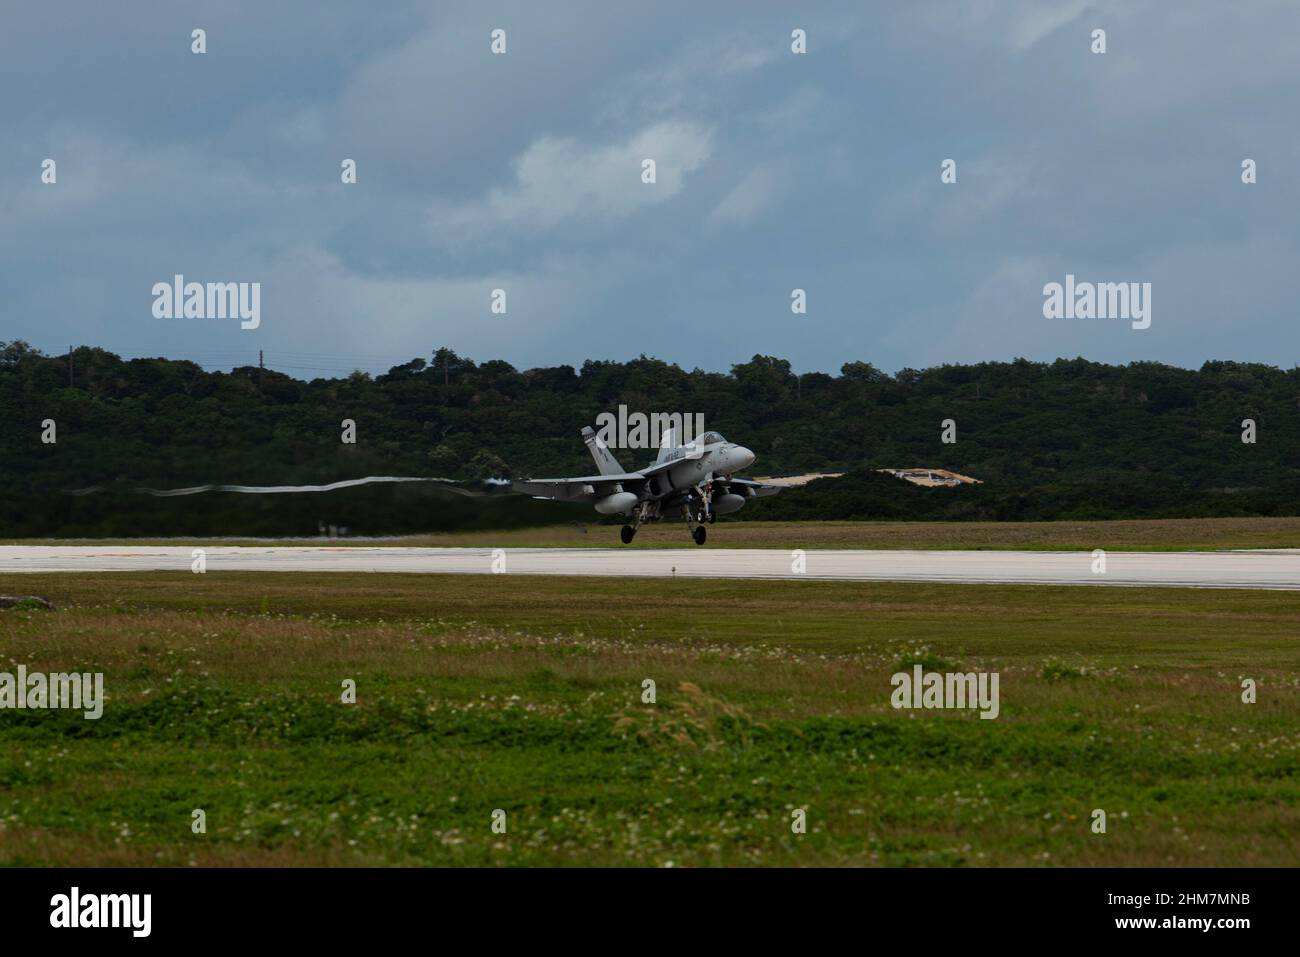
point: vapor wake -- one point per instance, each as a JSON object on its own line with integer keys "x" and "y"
{"x": 449, "y": 484}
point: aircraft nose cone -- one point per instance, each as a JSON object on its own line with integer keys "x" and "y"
{"x": 744, "y": 457}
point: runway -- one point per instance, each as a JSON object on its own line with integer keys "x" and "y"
{"x": 1273, "y": 569}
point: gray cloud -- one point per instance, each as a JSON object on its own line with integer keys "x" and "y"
{"x": 775, "y": 171}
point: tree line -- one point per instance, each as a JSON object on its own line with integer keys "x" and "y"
{"x": 1069, "y": 439}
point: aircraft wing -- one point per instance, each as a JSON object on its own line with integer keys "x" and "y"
{"x": 584, "y": 488}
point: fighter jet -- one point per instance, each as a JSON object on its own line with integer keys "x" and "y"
{"x": 697, "y": 478}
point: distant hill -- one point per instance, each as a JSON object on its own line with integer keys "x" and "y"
{"x": 1067, "y": 439}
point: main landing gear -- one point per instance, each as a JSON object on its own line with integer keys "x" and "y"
{"x": 628, "y": 532}
{"x": 699, "y": 533}
{"x": 639, "y": 515}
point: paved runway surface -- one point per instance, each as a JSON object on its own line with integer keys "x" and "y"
{"x": 1240, "y": 569}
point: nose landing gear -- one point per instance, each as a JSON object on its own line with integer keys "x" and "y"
{"x": 697, "y": 531}
{"x": 696, "y": 518}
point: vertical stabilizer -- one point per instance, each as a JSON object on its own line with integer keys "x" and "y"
{"x": 667, "y": 444}
{"x": 605, "y": 461}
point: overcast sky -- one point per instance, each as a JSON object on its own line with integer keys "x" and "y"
{"x": 775, "y": 171}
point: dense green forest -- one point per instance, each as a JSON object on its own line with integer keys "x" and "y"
{"x": 1066, "y": 439}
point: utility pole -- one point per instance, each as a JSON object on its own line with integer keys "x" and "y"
{"x": 69, "y": 366}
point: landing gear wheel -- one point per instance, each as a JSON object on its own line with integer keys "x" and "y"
{"x": 713, "y": 518}
{"x": 626, "y": 533}
{"x": 699, "y": 534}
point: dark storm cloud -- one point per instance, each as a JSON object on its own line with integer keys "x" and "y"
{"x": 776, "y": 171}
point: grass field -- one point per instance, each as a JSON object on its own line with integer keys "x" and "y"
{"x": 524, "y": 694}
{"x": 1183, "y": 534}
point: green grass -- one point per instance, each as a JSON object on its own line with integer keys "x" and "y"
{"x": 524, "y": 694}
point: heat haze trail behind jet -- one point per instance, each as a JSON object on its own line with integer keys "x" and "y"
{"x": 282, "y": 489}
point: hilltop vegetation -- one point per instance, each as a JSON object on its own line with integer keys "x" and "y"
{"x": 1068, "y": 439}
